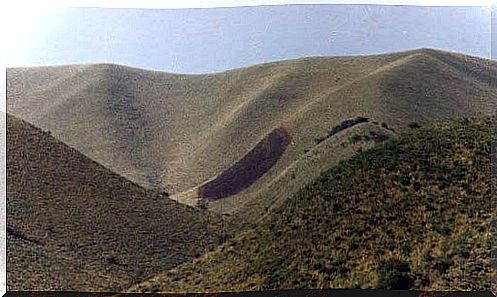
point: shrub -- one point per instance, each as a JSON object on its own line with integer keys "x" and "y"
{"x": 347, "y": 124}
{"x": 443, "y": 263}
{"x": 221, "y": 238}
{"x": 202, "y": 204}
{"x": 384, "y": 125}
{"x": 395, "y": 274}
{"x": 319, "y": 140}
{"x": 414, "y": 125}
{"x": 342, "y": 126}
{"x": 163, "y": 195}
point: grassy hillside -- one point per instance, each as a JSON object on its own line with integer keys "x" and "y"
{"x": 72, "y": 224}
{"x": 178, "y": 133}
{"x": 411, "y": 213}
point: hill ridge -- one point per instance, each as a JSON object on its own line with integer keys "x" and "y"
{"x": 175, "y": 132}
{"x": 75, "y": 225}
{"x": 107, "y": 65}
{"x": 411, "y": 213}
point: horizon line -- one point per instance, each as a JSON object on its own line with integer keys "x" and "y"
{"x": 123, "y": 64}
{"x": 192, "y": 4}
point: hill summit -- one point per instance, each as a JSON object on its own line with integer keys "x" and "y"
{"x": 185, "y": 134}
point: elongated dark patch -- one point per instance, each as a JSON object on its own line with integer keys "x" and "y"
{"x": 248, "y": 169}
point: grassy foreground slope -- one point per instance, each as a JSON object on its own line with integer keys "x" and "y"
{"x": 177, "y": 132}
{"x": 73, "y": 224}
{"x": 413, "y": 212}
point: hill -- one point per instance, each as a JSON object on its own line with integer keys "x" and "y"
{"x": 411, "y": 213}
{"x": 72, "y": 224}
{"x": 188, "y": 134}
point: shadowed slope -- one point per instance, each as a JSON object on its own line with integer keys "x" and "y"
{"x": 246, "y": 171}
{"x": 178, "y": 132}
{"x": 412, "y": 213}
{"x": 75, "y": 225}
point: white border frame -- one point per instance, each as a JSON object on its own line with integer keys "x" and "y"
{"x": 157, "y": 4}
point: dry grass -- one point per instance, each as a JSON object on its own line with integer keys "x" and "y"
{"x": 413, "y": 212}
{"x": 75, "y": 225}
{"x": 176, "y": 132}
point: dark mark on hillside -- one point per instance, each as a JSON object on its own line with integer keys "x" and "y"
{"x": 414, "y": 211}
{"x": 384, "y": 125}
{"x": 18, "y": 234}
{"x": 343, "y": 125}
{"x": 248, "y": 169}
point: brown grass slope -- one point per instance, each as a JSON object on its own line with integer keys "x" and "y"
{"x": 178, "y": 132}
{"x": 411, "y": 213}
{"x": 75, "y": 225}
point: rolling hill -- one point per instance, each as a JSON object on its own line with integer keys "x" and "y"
{"x": 190, "y": 135}
{"x": 411, "y": 213}
{"x": 72, "y": 224}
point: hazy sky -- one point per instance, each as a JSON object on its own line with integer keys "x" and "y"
{"x": 216, "y": 39}
{"x": 494, "y": 32}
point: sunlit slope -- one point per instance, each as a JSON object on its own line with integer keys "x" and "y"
{"x": 177, "y": 132}
{"x": 73, "y": 224}
{"x": 412, "y": 213}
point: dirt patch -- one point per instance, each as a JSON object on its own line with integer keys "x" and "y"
{"x": 248, "y": 169}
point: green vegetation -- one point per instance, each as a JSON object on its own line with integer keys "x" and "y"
{"x": 407, "y": 211}
{"x": 410, "y": 213}
{"x": 175, "y": 133}
{"x": 370, "y": 135}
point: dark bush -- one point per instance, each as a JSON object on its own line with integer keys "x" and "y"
{"x": 202, "y": 204}
{"x": 319, "y": 140}
{"x": 414, "y": 125}
{"x": 443, "y": 263}
{"x": 384, "y": 125}
{"x": 395, "y": 274}
{"x": 342, "y": 126}
{"x": 163, "y": 195}
{"x": 346, "y": 124}
{"x": 221, "y": 238}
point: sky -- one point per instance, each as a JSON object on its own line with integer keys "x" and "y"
{"x": 216, "y": 39}
{"x": 494, "y": 31}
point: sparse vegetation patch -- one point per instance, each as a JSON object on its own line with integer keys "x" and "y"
{"x": 411, "y": 213}
{"x": 342, "y": 126}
